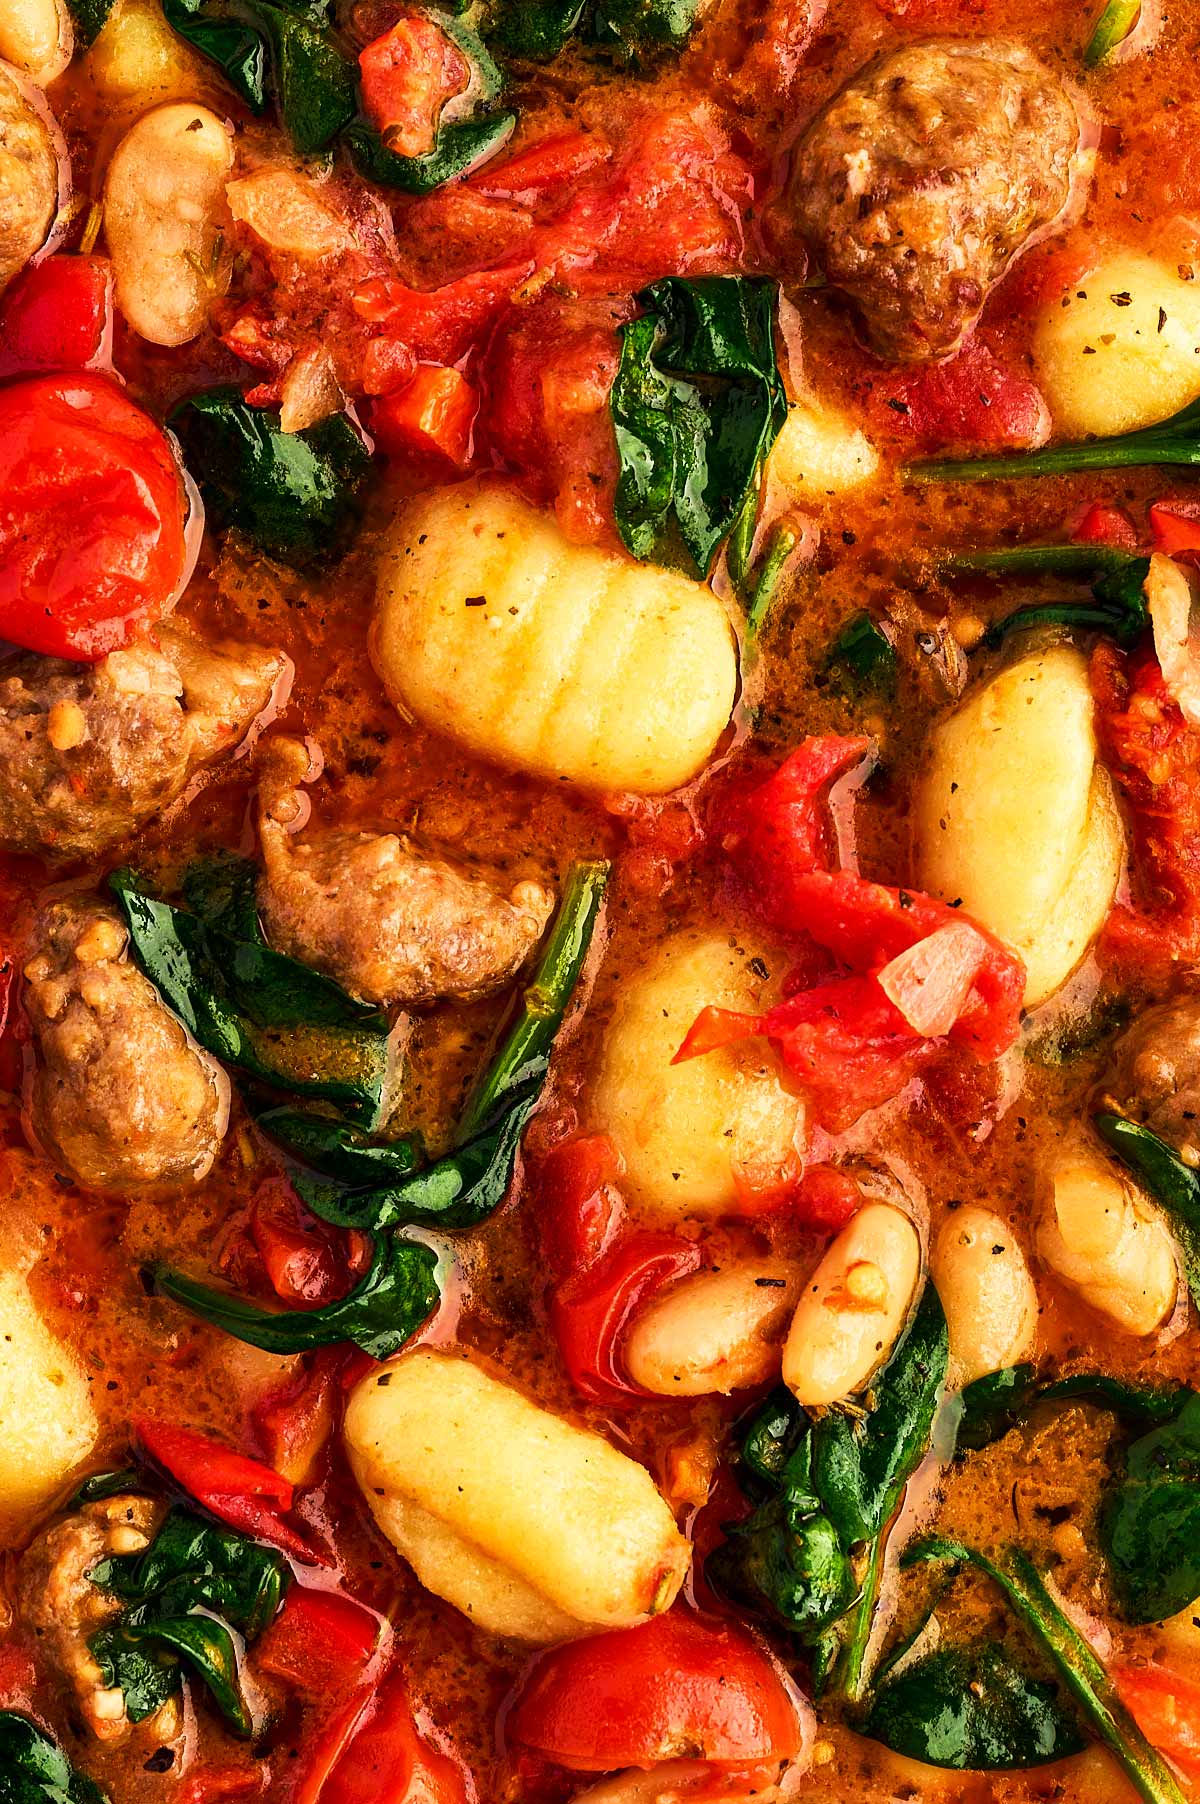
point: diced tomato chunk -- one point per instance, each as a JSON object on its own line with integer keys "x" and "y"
{"x": 550, "y": 163}
{"x": 321, "y": 1643}
{"x": 590, "y": 1311}
{"x": 1166, "y": 1707}
{"x": 431, "y": 420}
{"x": 577, "y": 1205}
{"x": 973, "y": 400}
{"x": 373, "y": 1750}
{"x": 408, "y": 75}
{"x": 1175, "y": 527}
{"x": 57, "y": 315}
{"x": 1103, "y": 524}
{"x": 300, "y": 1253}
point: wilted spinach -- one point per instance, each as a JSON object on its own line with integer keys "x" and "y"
{"x": 829, "y": 1487}
{"x": 185, "y": 1594}
{"x": 1116, "y": 578}
{"x": 34, "y": 1769}
{"x": 89, "y": 18}
{"x": 1174, "y": 1186}
{"x": 973, "y": 1709}
{"x": 293, "y": 493}
{"x": 862, "y": 659}
{"x": 994, "y": 1404}
{"x": 697, "y": 403}
{"x": 539, "y": 29}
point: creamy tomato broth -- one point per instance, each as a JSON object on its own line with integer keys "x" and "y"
{"x": 599, "y": 747}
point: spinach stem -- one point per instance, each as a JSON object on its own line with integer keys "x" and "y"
{"x": 780, "y": 546}
{"x": 1065, "y": 560}
{"x": 861, "y": 1622}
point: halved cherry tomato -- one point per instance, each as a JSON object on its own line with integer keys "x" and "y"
{"x": 321, "y": 1643}
{"x": 300, "y": 1253}
{"x": 408, "y": 75}
{"x": 430, "y": 420}
{"x": 672, "y": 1686}
{"x": 295, "y": 1421}
{"x": 1175, "y": 526}
{"x": 1166, "y": 1707}
{"x": 578, "y": 1207}
{"x": 92, "y": 515}
{"x": 589, "y": 1311}
{"x": 213, "y": 1783}
{"x": 372, "y": 1750}
{"x": 57, "y": 315}
{"x": 240, "y": 1491}
{"x": 1106, "y": 525}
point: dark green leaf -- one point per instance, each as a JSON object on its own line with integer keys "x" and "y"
{"x": 34, "y": 1769}
{"x": 862, "y": 659}
{"x": 788, "y": 1565}
{"x": 104, "y": 1484}
{"x": 381, "y": 1313}
{"x": 89, "y": 18}
{"x": 641, "y": 25}
{"x": 134, "y": 1667}
{"x": 1150, "y": 1525}
{"x": 1174, "y": 1186}
{"x": 972, "y": 1709}
{"x": 131, "y": 1656}
{"x": 259, "y": 1010}
{"x": 994, "y": 1404}
{"x": 1112, "y": 28}
{"x": 1073, "y": 1657}
{"x": 535, "y": 29}
{"x": 1173, "y": 441}
{"x": 193, "y": 1563}
{"x": 1118, "y": 607}
{"x": 697, "y": 404}
{"x": 237, "y": 48}
{"x": 459, "y": 147}
{"x": 338, "y": 1151}
{"x": 773, "y": 1436}
{"x": 314, "y": 83}
{"x": 293, "y": 493}
{"x": 223, "y": 891}
{"x": 766, "y": 575}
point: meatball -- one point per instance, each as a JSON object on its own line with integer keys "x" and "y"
{"x": 64, "y": 1609}
{"x": 1155, "y": 1077}
{"x": 921, "y": 180}
{"x": 89, "y": 752}
{"x": 28, "y": 179}
{"x": 389, "y": 923}
{"x": 121, "y": 1099}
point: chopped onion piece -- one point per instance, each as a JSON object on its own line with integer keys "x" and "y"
{"x": 1176, "y": 638}
{"x": 289, "y": 213}
{"x": 309, "y": 392}
{"x": 930, "y": 982}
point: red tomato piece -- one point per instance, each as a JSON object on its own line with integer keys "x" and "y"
{"x": 589, "y": 1311}
{"x": 1175, "y": 527}
{"x": 550, "y": 163}
{"x": 321, "y": 1643}
{"x": 57, "y": 315}
{"x": 300, "y": 1253}
{"x": 373, "y": 1751}
{"x": 92, "y": 517}
{"x": 294, "y": 1422}
{"x": 430, "y": 421}
{"x": 672, "y": 1686}
{"x": 973, "y": 400}
{"x": 437, "y": 325}
{"x": 408, "y": 75}
{"x": 1166, "y": 1707}
{"x": 1106, "y": 525}
{"x": 18, "y": 1676}
{"x": 577, "y": 1205}
{"x": 238, "y": 1490}
{"x": 826, "y": 1198}
{"x": 213, "y": 1783}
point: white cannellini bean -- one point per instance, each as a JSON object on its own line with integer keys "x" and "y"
{"x": 533, "y": 1527}
{"x": 686, "y": 1131}
{"x": 560, "y": 659}
{"x": 49, "y": 1425}
{"x": 853, "y": 1307}
{"x": 719, "y": 1330}
{"x": 1102, "y": 1237}
{"x": 164, "y": 204}
{"x": 983, "y": 1280}
{"x": 36, "y": 38}
{"x": 1016, "y": 819}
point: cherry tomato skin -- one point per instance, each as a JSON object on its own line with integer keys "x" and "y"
{"x": 92, "y": 517}
{"x": 379, "y": 1755}
{"x": 590, "y": 1311}
{"x": 57, "y": 315}
{"x": 1166, "y": 1707}
{"x": 674, "y": 1686}
{"x": 320, "y": 1643}
{"x": 238, "y": 1490}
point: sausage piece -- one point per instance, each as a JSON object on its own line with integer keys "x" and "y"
{"x": 391, "y": 924}
{"x": 921, "y": 180}
{"x": 1156, "y": 1073}
{"x": 28, "y": 179}
{"x": 121, "y": 1098}
{"x": 89, "y": 752}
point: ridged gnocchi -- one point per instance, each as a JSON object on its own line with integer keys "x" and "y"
{"x": 687, "y": 1133}
{"x": 719, "y": 1330}
{"x": 1099, "y": 1235}
{"x": 164, "y": 203}
{"x": 532, "y": 1527}
{"x": 853, "y": 1307}
{"x": 555, "y": 658}
{"x": 47, "y": 1423}
{"x": 1017, "y": 821}
{"x": 1121, "y": 348}
{"x": 36, "y": 38}
{"x": 984, "y": 1283}
{"x": 820, "y": 453}
{"x": 138, "y": 62}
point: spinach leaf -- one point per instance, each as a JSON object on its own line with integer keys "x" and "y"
{"x": 259, "y": 1010}
{"x": 1174, "y": 1186}
{"x": 89, "y": 17}
{"x": 104, "y": 1484}
{"x": 763, "y": 581}
{"x": 314, "y": 83}
{"x": 383, "y": 1311}
{"x": 972, "y": 1709}
{"x": 1172, "y": 441}
{"x": 1150, "y": 1523}
{"x": 862, "y": 659}
{"x": 236, "y": 47}
{"x": 1074, "y": 1658}
{"x": 789, "y": 1565}
{"x": 1118, "y": 605}
{"x": 34, "y": 1769}
{"x": 223, "y": 892}
{"x": 535, "y": 29}
{"x": 184, "y": 1592}
{"x": 293, "y": 493}
{"x": 645, "y": 25}
{"x": 696, "y": 406}
{"x": 335, "y": 1150}
{"x": 996, "y": 1403}
{"x": 538, "y": 30}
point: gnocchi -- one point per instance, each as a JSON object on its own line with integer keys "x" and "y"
{"x": 532, "y": 1527}
{"x": 688, "y": 1133}
{"x": 164, "y": 203}
{"x": 1101, "y": 1237}
{"x": 36, "y": 38}
{"x": 820, "y": 454}
{"x": 984, "y": 1283}
{"x": 853, "y": 1307}
{"x": 555, "y": 658}
{"x": 1017, "y": 820}
{"x": 45, "y": 1406}
{"x": 138, "y": 62}
{"x": 717, "y": 1330}
{"x": 1121, "y": 349}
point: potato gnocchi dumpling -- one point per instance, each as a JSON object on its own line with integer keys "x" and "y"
{"x": 556, "y": 658}
{"x": 532, "y": 1527}
{"x": 48, "y": 1424}
{"x": 1121, "y": 348}
{"x": 1017, "y": 821}
{"x": 138, "y": 62}
{"x": 689, "y": 1133}
{"x": 820, "y": 453}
